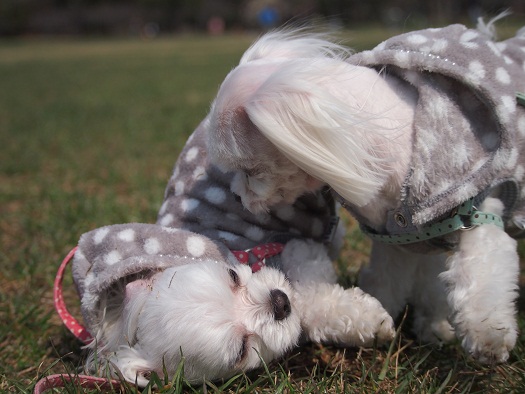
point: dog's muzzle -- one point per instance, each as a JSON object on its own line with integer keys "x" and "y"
{"x": 280, "y": 304}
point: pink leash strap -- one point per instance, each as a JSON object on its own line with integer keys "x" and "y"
{"x": 79, "y": 331}
{"x": 69, "y": 321}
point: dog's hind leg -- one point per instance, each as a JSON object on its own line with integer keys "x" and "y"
{"x": 482, "y": 281}
{"x": 389, "y": 276}
{"x": 396, "y": 277}
{"x": 429, "y": 299}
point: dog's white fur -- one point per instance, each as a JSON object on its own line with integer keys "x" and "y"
{"x": 221, "y": 325}
{"x": 294, "y": 115}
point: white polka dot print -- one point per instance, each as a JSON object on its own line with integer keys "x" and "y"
{"x": 439, "y": 46}
{"x": 127, "y": 235}
{"x": 417, "y": 39}
{"x": 112, "y": 257}
{"x": 100, "y": 235}
{"x": 170, "y": 230}
{"x": 152, "y": 246}
{"x": 215, "y": 195}
{"x": 200, "y": 173}
{"x": 191, "y": 154}
{"x": 502, "y": 76}
{"x": 189, "y": 204}
{"x": 512, "y": 159}
{"x": 521, "y": 125}
{"x": 518, "y": 174}
{"x": 166, "y": 220}
{"x": 90, "y": 277}
{"x": 506, "y": 108}
{"x": 175, "y": 173}
{"x": 255, "y": 233}
{"x": 163, "y": 208}
{"x": 285, "y": 213}
{"x": 402, "y": 58}
{"x": 195, "y": 246}
{"x": 477, "y": 70}
{"x": 179, "y": 188}
{"x": 466, "y": 39}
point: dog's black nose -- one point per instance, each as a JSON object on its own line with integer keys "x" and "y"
{"x": 280, "y": 304}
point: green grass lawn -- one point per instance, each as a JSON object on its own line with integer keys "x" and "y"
{"x": 89, "y": 133}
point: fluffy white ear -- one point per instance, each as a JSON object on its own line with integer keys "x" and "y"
{"x": 132, "y": 365}
{"x": 136, "y": 287}
{"x": 315, "y": 112}
{"x": 233, "y": 135}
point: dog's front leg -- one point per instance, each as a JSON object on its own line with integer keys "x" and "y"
{"x": 396, "y": 276}
{"x": 331, "y": 314}
{"x": 390, "y": 276}
{"x": 482, "y": 283}
{"x": 328, "y": 312}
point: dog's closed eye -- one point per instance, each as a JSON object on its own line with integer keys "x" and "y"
{"x": 256, "y": 171}
{"x": 244, "y": 349}
{"x": 234, "y": 277}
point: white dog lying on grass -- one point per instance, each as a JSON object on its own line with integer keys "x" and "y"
{"x": 413, "y": 137}
{"x": 155, "y": 294}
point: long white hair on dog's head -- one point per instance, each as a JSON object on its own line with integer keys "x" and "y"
{"x": 336, "y": 122}
{"x": 302, "y": 112}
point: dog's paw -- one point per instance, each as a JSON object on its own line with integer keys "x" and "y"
{"x": 363, "y": 320}
{"x": 491, "y": 346}
{"x": 435, "y": 331}
{"x": 331, "y": 314}
{"x": 377, "y": 323}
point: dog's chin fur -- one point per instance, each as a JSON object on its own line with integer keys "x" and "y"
{"x": 238, "y": 333}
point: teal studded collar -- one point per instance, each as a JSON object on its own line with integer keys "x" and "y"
{"x": 464, "y": 217}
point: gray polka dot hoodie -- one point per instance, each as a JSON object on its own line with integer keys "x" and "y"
{"x": 200, "y": 219}
{"x": 468, "y": 128}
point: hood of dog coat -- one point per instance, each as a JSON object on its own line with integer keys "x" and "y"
{"x": 122, "y": 252}
{"x": 468, "y": 129}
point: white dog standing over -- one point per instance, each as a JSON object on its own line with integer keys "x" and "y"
{"x": 413, "y": 137}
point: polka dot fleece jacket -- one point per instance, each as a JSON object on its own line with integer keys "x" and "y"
{"x": 200, "y": 219}
{"x": 468, "y": 128}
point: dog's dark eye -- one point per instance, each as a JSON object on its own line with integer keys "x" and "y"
{"x": 234, "y": 277}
